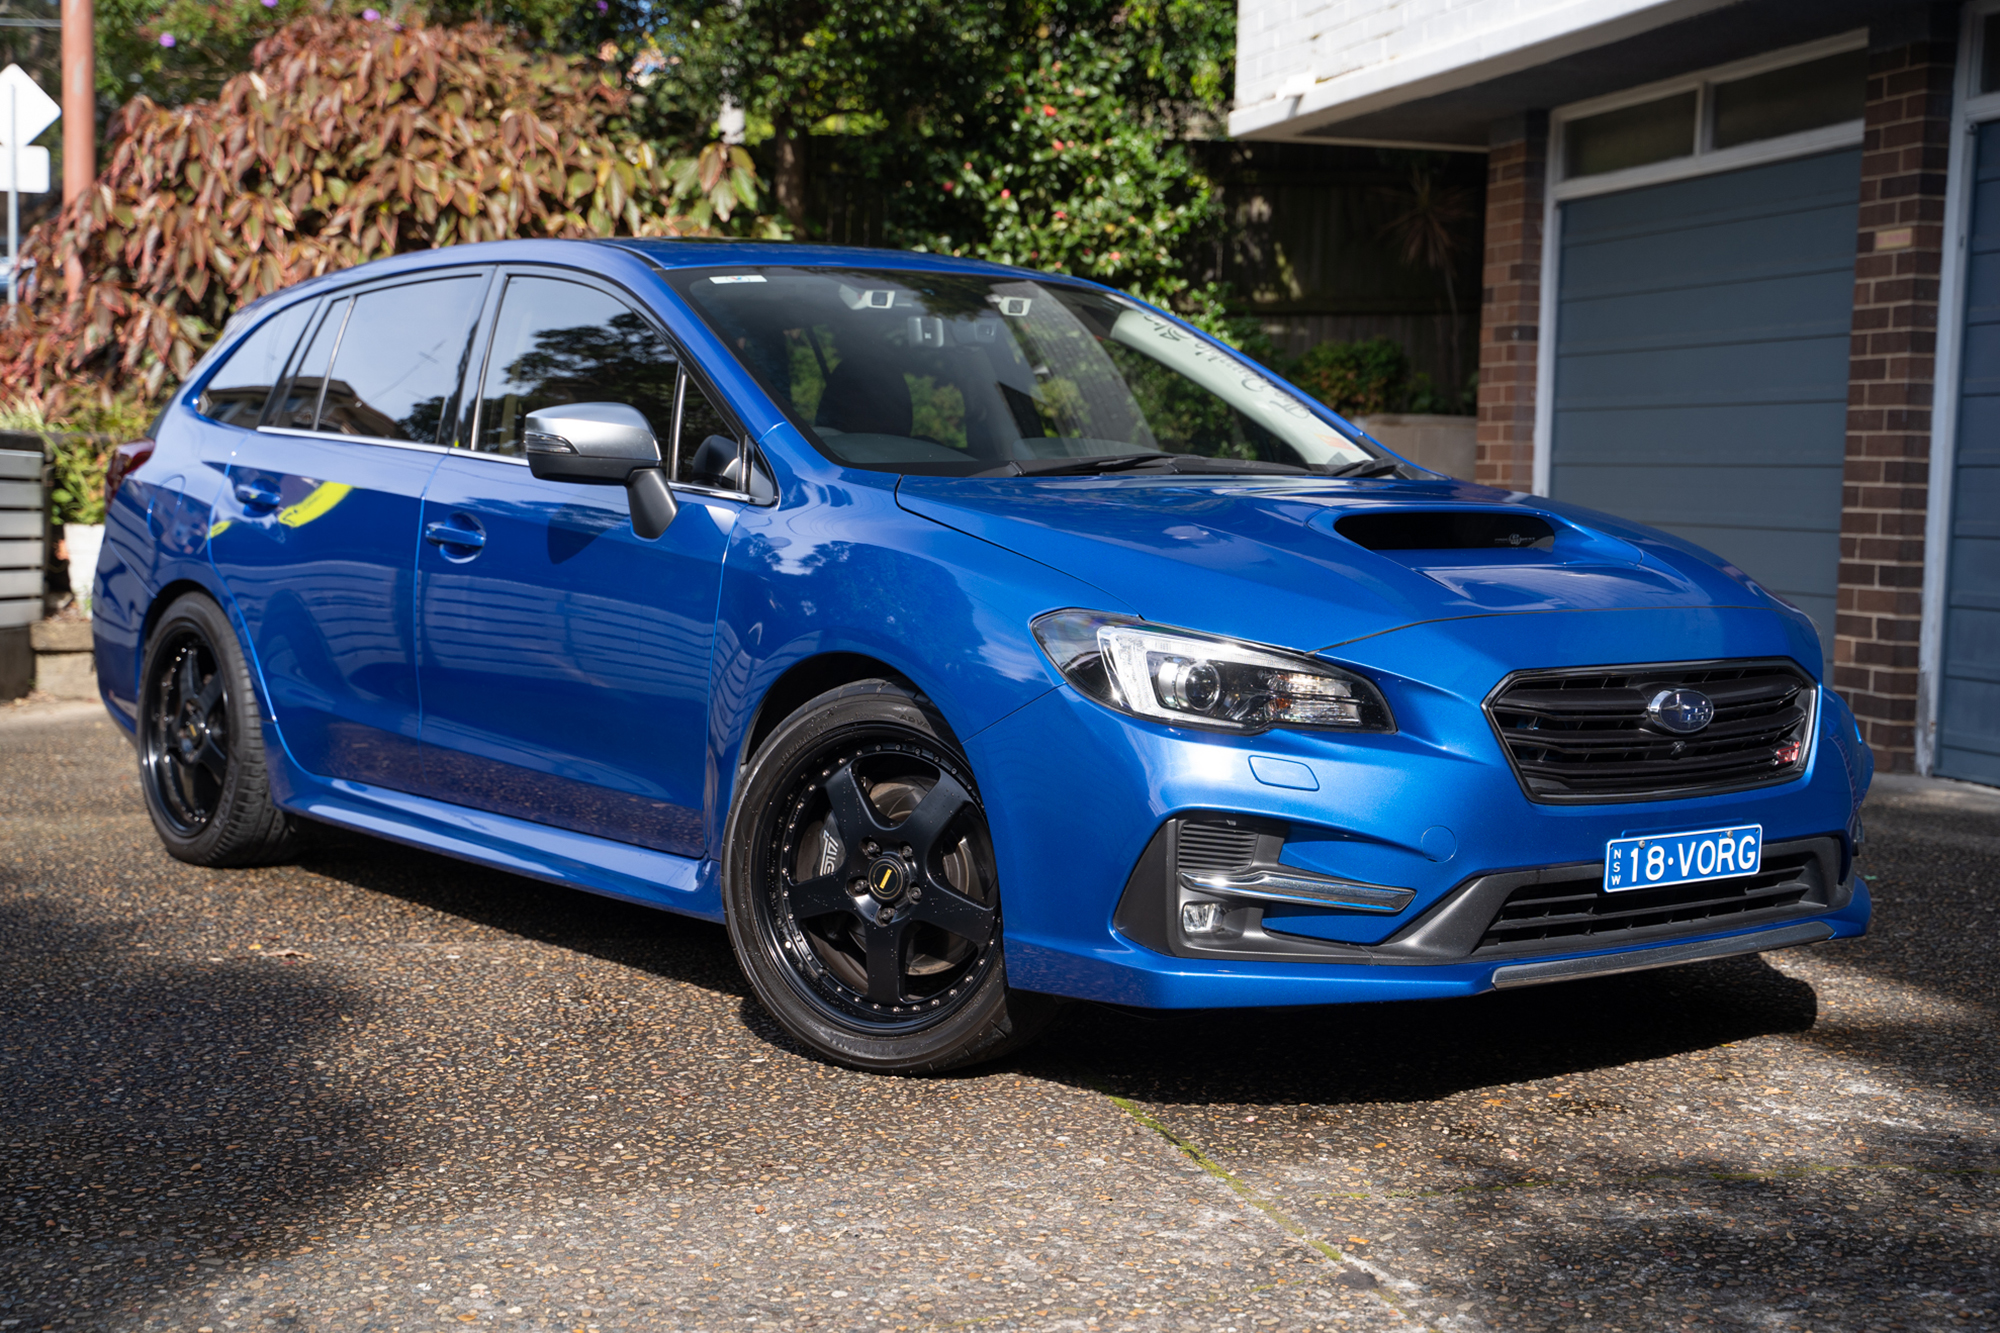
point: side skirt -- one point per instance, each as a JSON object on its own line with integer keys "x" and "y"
{"x": 574, "y": 860}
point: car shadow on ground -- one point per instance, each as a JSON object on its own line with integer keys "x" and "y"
{"x": 677, "y": 948}
{"x": 158, "y": 1116}
{"x": 1398, "y": 1051}
{"x": 1416, "y": 1051}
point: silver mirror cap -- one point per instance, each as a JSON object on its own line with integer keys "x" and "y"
{"x": 595, "y": 430}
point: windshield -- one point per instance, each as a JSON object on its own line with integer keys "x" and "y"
{"x": 957, "y": 374}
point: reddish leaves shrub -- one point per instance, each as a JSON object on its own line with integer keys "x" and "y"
{"x": 347, "y": 142}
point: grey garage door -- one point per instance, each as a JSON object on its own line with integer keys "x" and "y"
{"x": 1701, "y": 364}
{"x": 1968, "y": 743}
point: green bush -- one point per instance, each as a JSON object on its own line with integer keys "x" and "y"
{"x": 1355, "y": 379}
{"x": 1362, "y": 378}
{"x": 78, "y": 493}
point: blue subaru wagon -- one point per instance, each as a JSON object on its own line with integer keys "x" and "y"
{"x": 965, "y": 638}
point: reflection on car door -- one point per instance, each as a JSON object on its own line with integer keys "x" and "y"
{"x": 564, "y": 661}
{"x": 317, "y": 543}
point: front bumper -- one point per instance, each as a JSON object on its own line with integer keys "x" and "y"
{"x": 1433, "y": 810}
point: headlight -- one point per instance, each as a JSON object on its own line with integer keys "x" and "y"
{"x": 1200, "y": 680}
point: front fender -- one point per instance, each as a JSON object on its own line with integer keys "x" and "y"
{"x": 840, "y": 568}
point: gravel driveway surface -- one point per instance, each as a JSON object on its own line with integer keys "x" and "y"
{"x": 382, "y": 1090}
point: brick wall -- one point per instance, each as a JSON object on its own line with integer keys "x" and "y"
{"x": 1890, "y": 373}
{"x": 1510, "y": 299}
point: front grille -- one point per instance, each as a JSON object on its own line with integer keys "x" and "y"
{"x": 1580, "y": 911}
{"x": 1583, "y": 735}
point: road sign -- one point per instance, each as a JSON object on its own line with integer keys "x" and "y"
{"x": 34, "y": 170}
{"x": 23, "y": 102}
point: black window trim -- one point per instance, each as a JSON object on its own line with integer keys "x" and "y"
{"x": 473, "y": 379}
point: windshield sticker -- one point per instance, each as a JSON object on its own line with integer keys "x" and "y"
{"x": 727, "y": 278}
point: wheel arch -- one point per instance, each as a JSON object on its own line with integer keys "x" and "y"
{"x": 172, "y": 591}
{"x": 809, "y": 678}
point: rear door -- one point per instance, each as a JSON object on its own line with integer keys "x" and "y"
{"x": 318, "y": 525}
{"x": 565, "y": 661}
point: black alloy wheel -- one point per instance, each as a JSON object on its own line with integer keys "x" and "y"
{"x": 863, "y": 898}
{"x": 187, "y": 741}
{"x": 201, "y": 749}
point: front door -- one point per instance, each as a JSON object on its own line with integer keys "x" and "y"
{"x": 317, "y": 531}
{"x": 564, "y": 661}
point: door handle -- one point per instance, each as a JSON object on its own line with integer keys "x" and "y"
{"x": 253, "y": 496}
{"x": 450, "y": 534}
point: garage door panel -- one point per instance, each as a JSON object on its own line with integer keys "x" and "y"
{"x": 1813, "y": 308}
{"x": 1786, "y": 499}
{"x": 1702, "y": 344}
{"x": 1740, "y": 371}
{"x": 1968, "y": 736}
{"x": 1656, "y": 209}
{"x": 1752, "y": 434}
{"x": 1719, "y": 255}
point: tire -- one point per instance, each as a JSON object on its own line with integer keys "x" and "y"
{"x": 201, "y": 744}
{"x": 859, "y": 885}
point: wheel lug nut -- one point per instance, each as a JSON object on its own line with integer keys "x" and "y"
{"x": 883, "y": 917}
{"x": 916, "y": 894}
{"x": 870, "y": 849}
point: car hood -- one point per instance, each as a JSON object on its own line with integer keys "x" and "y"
{"x": 1264, "y": 558}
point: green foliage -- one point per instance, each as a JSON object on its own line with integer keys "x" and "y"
{"x": 77, "y": 495}
{"x": 1356, "y": 378}
{"x": 1362, "y": 378}
{"x": 351, "y": 140}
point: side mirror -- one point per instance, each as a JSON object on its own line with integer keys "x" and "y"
{"x": 603, "y": 444}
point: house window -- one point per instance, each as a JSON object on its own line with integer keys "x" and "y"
{"x": 1791, "y": 100}
{"x": 1823, "y": 89}
{"x": 1631, "y": 136}
{"x": 1989, "y": 56}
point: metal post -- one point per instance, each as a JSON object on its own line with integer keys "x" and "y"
{"x": 79, "y": 107}
{"x": 13, "y": 200}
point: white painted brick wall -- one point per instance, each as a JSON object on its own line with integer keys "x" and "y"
{"x": 1369, "y": 43}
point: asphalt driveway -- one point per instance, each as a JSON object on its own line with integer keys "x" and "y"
{"x": 383, "y": 1090}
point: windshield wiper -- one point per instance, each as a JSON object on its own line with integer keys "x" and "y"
{"x": 1053, "y": 467}
{"x": 1163, "y": 462}
{"x": 1369, "y": 467}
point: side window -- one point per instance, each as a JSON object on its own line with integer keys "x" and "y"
{"x": 709, "y": 448}
{"x": 558, "y": 342}
{"x": 237, "y": 391}
{"x": 299, "y": 403}
{"x": 395, "y": 367}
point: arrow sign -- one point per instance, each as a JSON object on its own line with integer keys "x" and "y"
{"x": 26, "y": 106}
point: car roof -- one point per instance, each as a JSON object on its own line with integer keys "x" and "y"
{"x": 667, "y": 253}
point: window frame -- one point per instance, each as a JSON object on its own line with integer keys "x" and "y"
{"x": 1971, "y": 111}
{"x": 1704, "y": 158}
{"x": 473, "y": 381}
{"x": 355, "y": 291}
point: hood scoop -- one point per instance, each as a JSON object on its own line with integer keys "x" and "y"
{"x": 1447, "y": 530}
{"x": 1510, "y": 560}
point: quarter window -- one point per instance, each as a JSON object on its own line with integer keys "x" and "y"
{"x": 237, "y": 391}
{"x": 298, "y": 406}
{"x": 396, "y": 365}
{"x": 558, "y": 342}
{"x": 709, "y": 448}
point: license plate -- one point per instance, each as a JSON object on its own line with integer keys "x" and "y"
{"x": 1660, "y": 859}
